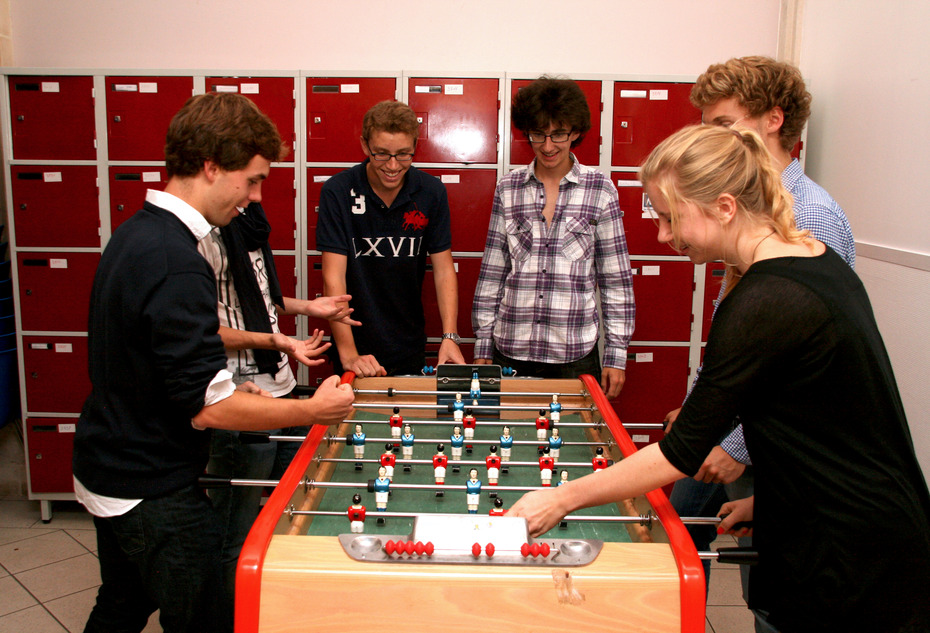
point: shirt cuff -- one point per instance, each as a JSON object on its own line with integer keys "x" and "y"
{"x": 483, "y": 347}
{"x": 220, "y": 388}
{"x": 735, "y": 446}
{"x": 614, "y": 358}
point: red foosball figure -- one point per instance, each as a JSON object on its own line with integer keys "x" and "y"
{"x": 599, "y": 462}
{"x": 498, "y": 509}
{"x": 397, "y": 422}
{"x": 546, "y": 464}
{"x": 356, "y": 514}
{"x": 493, "y": 463}
{"x": 388, "y": 460}
{"x": 440, "y": 461}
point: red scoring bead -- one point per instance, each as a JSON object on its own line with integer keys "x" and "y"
{"x": 389, "y": 547}
{"x": 410, "y": 547}
{"x": 430, "y": 548}
{"x": 420, "y": 548}
{"x": 534, "y": 549}
{"x": 525, "y": 549}
{"x": 489, "y": 550}
{"x": 476, "y": 550}
{"x": 544, "y": 549}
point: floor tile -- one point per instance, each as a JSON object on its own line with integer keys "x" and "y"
{"x": 73, "y": 610}
{"x": 19, "y": 513}
{"x": 67, "y": 515}
{"x": 730, "y": 619}
{"x": 11, "y": 535}
{"x": 87, "y": 538}
{"x": 725, "y": 588}
{"x": 39, "y": 550}
{"x": 35, "y": 620}
{"x": 13, "y": 597}
{"x": 62, "y": 578}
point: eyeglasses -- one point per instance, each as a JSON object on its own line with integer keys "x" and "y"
{"x": 383, "y": 157}
{"x": 556, "y": 137}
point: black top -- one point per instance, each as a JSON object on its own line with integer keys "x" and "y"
{"x": 841, "y": 512}
{"x": 154, "y": 348}
{"x": 386, "y": 251}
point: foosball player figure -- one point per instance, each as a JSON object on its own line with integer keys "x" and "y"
{"x": 546, "y": 464}
{"x": 356, "y": 513}
{"x": 475, "y": 392}
{"x": 388, "y": 459}
{"x": 358, "y": 445}
{"x": 472, "y": 491}
{"x": 440, "y": 461}
{"x": 456, "y": 441}
{"x": 563, "y": 479}
{"x": 599, "y": 462}
{"x": 469, "y": 423}
{"x": 542, "y": 428}
{"x": 397, "y": 422}
{"x": 406, "y": 446}
{"x": 458, "y": 408}
{"x": 506, "y": 446}
{"x": 493, "y": 462}
{"x": 555, "y": 409}
{"x": 382, "y": 488}
{"x": 555, "y": 444}
{"x": 498, "y": 509}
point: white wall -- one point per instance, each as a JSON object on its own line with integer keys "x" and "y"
{"x": 867, "y": 65}
{"x": 596, "y": 36}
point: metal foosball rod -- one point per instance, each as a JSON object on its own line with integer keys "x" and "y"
{"x": 452, "y": 462}
{"x": 390, "y": 393}
{"x": 482, "y": 407}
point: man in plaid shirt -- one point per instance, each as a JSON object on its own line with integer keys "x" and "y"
{"x": 555, "y": 243}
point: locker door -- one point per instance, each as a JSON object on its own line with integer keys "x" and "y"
{"x": 138, "y": 112}
{"x": 335, "y": 107}
{"x": 663, "y": 300}
{"x": 49, "y": 280}
{"x": 644, "y": 114}
{"x": 471, "y": 194}
{"x": 458, "y": 119}
{"x": 55, "y": 373}
{"x": 51, "y": 447}
{"x": 278, "y": 196}
{"x": 127, "y": 190}
{"x": 316, "y": 176}
{"x": 467, "y": 270}
{"x": 285, "y": 265}
{"x": 656, "y": 383}
{"x": 315, "y": 290}
{"x": 56, "y": 206}
{"x": 639, "y": 220}
{"x": 53, "y": 118}
{"x": 588, "y": 152}
{"x": 713, "y": 278}
{"x": 273, "y": 95}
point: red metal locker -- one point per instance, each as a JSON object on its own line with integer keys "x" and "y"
{"x": 335, "y": 107}
{"x": 56, "y": 206}
{"x": 316, "y": 177}
{"x": 471, "y": 194}
{"x": 467, "y": 270}
{"x": 51, "y": 447}
{"x": 55, "y": 369}
{"x": 319, "y": 373}
{"x": 52, "y": 117}
{"x": 54, "y": 290}
{"x": 644, "y": 114}
{"x": 286, "y": 267}
{"x": 663, "y": 300}
{"x": 588, "y": 152}
{"x": 273, "y": 95}
{"x": 279, "y": 192}
{"x": 138, "y": 112}
{"x": 315, "y": 290}
{"x": 713, "y": 278}
{"x": 639, "y": 220}
{"x": 458, "y": 119}
{"x": 656, "y": 383}
{"x": 127, "y": 190}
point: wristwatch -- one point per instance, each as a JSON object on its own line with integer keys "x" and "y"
{"x": 452, "y": 336}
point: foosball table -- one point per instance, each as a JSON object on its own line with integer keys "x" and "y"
{"x": 430, "y": 544}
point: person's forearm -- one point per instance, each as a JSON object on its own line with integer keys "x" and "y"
{"x": 248, "y": 411}
{"x": 234, "y": 339}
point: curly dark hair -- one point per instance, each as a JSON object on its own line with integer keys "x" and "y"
{"x": 393, "y": 117}
{"x": 549, "y": 100}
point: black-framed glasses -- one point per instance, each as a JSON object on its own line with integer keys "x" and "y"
{"x": 383, "y": 157}
{"x": 556, "y": 137}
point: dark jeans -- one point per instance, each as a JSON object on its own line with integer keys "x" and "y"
{"x": 163, "y": 554}
{"x": 588, "y": 364}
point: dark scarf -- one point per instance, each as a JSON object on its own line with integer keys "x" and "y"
{"x": 246, "y": 233}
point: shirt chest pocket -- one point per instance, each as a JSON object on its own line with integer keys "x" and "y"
{"x": 520, "y": 238}
{"x": 578, "y": 243}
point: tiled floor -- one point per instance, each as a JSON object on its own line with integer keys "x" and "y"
{"x": 49, "y": 573}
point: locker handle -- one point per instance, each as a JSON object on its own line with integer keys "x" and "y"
{"x": 127, "y": 177}
{"x": 35, "y": 262}
{"x": 45, "y": 428}
{"x": 27, "y": 87}
{"x": 325, "y": 89}
{"x": 29, "y": 175}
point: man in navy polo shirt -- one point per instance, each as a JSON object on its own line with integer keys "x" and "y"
{"x": 378, "y": 221}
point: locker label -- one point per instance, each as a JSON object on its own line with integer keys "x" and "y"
{"x": 40, "y": 346}
{"x": 349, "y": 88}
{"x": 455, "y": 89}
{"x": 450, "y": 178}
{"x": 249, "y": 89}
{"x": 226, "y": 88}
{"x": 632, "y": 94}
{"x": 651, "y": 271}
{"x": 57, "y": 263}
{"x": 642, "y": 439}
{"x": 52, "y": 176}
{"x": 151, "y": 176}
{"x": 644, "y": 357}
{"x": 428, "y": 89}
{"x": 629, "y": 183}
{"x": 63, "y": 348}
{"x": 321, "y": 178}
{"x": 148, "y": 86}
{"x": 125, "y": 88}
{"x": 67, "y": 428}
{"x": 658, "y": 95}
{"x": 50, "y": 86}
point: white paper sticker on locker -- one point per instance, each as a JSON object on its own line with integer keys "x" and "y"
{"x": 58, "y": 263}
{"x": 50, "y": 86}
{"x": 644, "y": 357}
{"x": 51, "y": 176}
{"x": 455, "y": 89}
{"x": 249, "y": 89}
{"x": 658, "y": 95}
{"x": 148, "y": 86}
{"x": 349, "y": 88}
{"x": 63, "y": 348}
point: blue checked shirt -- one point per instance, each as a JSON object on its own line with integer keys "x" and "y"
{"x": 817, "y": 212}
{"x": 536, "y": 294}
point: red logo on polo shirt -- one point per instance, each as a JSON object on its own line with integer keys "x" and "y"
{"x": 414, "y": 220}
